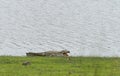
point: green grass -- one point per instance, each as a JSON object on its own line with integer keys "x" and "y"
{"x": 59, "y": 66}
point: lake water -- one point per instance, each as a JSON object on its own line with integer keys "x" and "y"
{"x": 85, "y": 27}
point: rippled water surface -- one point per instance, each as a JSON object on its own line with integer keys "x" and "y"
{"x": 85, "y": 27}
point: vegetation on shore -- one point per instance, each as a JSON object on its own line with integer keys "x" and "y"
{"x": 59, "y": 66}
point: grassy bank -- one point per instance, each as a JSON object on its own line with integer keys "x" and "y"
{"x": 59, "y": 66}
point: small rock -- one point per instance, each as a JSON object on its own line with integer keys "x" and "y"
{"x": 26, "y": 63}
